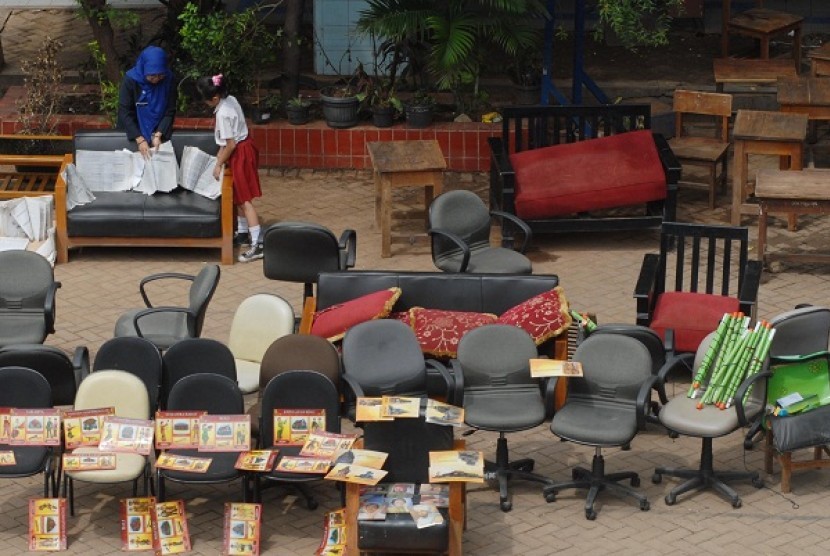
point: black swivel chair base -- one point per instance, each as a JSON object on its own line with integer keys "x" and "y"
{"x": 595, "y": 480}
{"x": 503, "y": 470}
{"x": 706, "y": 477}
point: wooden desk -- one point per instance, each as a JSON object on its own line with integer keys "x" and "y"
{"x": 735, "y": 71}
{"x": 761, "y": 132}
{"x": 404, "y": 164}
{"x": 820, "y": 60}
{"x": 804, "y": 192}
{"x": 806, "y": 95}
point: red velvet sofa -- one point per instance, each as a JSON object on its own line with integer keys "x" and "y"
{"x": 561, "y": 168}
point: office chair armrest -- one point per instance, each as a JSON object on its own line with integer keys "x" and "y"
{"x": 49, "y": 307}
{"x": 458, "y": 243}
{"x": 683, "y": 360}
{"x": 354, "y": 387}
{"x": 643, "y": 401}
{"x": 191, "y": 318}
{"x": 748, "y": 295}
{"x": 160, "y": 276}
{"x": 644, "y": 291}
{"x": 549, "y": 394}
{"x": 434, "y": 370}
{"x": 80, "y": 363}
{"x": 457, "y": 398}
{"x": 742, "y": 391}
{"x": 519, "y": 223}
{"x": 348, "y": 244}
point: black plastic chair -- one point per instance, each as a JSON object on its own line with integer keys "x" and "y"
{"x": 195, "y": 355}
{"x": 295, "y": 390}
{"x": 24, "y": 388}
{"x": 63, "y": 374}
{"x": 137, "y": 356}
{"x": 165, "y": 326}
{"x": 27, "y": 298}
{"x": 218, "y": 395}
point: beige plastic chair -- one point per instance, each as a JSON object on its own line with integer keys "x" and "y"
{"x": 128, "y": 395}
{"x": 258, "y": 321}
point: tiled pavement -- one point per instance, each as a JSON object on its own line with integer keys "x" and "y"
{"x": 597, "y": 271}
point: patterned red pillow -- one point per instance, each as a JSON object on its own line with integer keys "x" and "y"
{"x": 333, "y": 322}
{"x": 403, "y": 316}
{"x": 439, "y": 331}
{"x": 543, "y": 316}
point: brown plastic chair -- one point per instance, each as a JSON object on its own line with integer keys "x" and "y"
{"x": 696, "y": 147}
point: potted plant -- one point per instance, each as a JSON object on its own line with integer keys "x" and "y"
{"x": 379, "y": 96}
{"x": 526, "y": 74}
{"x": 264, "y": 108}
{"x": 419, "y": 110}
{"x": 297, "y": 110}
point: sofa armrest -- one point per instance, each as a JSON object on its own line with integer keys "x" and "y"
{"x": 227, "y": 214}
{"x": 61, "y": 234}
{"x": 307, "y": 318}
{"x": 671, "y": 166}
{"x": 645, "y": 289}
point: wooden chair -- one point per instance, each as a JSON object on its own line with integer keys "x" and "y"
{"x": 709, "y": 151}
{"x": 761, "y": 24}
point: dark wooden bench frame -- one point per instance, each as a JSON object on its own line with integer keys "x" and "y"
{"x": 532, "y": 127}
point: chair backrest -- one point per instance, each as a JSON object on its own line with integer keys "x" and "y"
{"x": 298, "y": 252}
{"x": 699, "y": 103}
{"x": 24, "y": 388}
{"x": 495, "y": 356}
{"x": 257, "y": 322}
{"x": 384, "y": 357}
{"x": 50, "y": 362}
{"x": 135, "y": 355}
{"x": 614, "y": 369}
{"x": 25, "y": 282}
{"x": 801, "y": 331}
{"x": 702, "y": 258}
{"x": 298, "y": 390}
{"x": 201, "y": 292}
{"x": 645, "y": 335}
{"x": 462, "y": 213}
{"x": 121, "y": 390}
{"x": 216, "y": 394}
{"x": 300, "y": 352}
{"x": 195, "y": 355}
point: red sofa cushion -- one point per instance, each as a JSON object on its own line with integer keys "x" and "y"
{"x": 691, "y": 315}
{"x": 608, "y": 172}
{"x": 439, "y": 331}
{"x": 542, "y": 316}
{"x": 334, "y": 321}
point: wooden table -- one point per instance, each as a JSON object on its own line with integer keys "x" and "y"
{"x": 761, "y": 132}
{"x": 806, "y": 95}
{"x": 761, "y": 24}
{"x": 404, "y": 164}
{"x": 820, "y": 60}
{"x": 753, "y": 72}
{"x": 804, "y": 192}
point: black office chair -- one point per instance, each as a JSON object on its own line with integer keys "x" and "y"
{"x": 494, "y": 385}
{"x": 27, "y": 298}
{"x": 164, "y": 326}
{"x": 295, "y": 390}
{"x": 195, "y": 355}
{"x": 299, "y": 251}
{"x": 606, "y": 407}
{"x": 63, "y": 374}
{"x": 24, "y": 388}
{"x": 137, "y": 356}
{"x": 218, "y": 395}
{"x": 459, "y": 223}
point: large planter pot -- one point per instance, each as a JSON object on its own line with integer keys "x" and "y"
{"x": 297, "y": 115}
{"x": 383, "y": 116}
{"x": 340, "y": 112}
{"x": 260, "y": 115}
{"x": 528, "y": 94}
{"x": 418, "y": 117}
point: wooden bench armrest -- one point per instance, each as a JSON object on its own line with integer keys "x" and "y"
{"x": 307, "y": 318}
{"x": 61, "y": 235}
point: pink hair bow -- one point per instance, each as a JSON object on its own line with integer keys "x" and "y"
{"x": 217, "y": 80}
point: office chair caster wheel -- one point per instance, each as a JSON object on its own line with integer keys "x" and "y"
{"x": 506, "y": 505}
{"x": 590, "y": 514}
{"x": 758, "y": 482}
{"x": 575, "y": 474}
{"x": 312, "y": 504}
{"x": 645, "y": 506}
{"x": 670, "y": 499}
{"x": 657, "y": 478}
{"x": 635, "y": 482}
{"x": 737, "y": 503}
{"x": 748, "y": 444}
{"x": 673, "y": 434}
{"x": 550, "y": 497}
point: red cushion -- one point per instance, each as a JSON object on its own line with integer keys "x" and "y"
{"x": 333, "y": 322}
{"x": 543, "y": 316}
{"x": 691, "y": 315}
{"x": 614, "y": 171}
{"x": 439, "y": 331}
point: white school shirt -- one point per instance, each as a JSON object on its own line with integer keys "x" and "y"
{"x": 230, "y": 121}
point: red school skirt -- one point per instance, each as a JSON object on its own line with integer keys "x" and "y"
{"x": 244, "y": 163}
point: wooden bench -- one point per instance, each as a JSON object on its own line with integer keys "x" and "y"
{"x": 752, "y": 73}
{"x": 40, "y": 171}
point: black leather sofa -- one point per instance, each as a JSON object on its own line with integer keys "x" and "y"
{"x": 179, "y": 218}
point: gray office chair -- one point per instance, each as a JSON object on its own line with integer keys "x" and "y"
{"x": 605, "y": 408}
{"x": 498, "y": 394}
{"x": 682, "y": 416}
{"x": 459, "y": 223}
{"x": 27, "y": 298}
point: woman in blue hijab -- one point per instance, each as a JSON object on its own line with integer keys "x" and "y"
{"x": 147, "y": 100}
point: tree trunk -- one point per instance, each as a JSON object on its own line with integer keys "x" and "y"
{"x": 95, "y": 12}
{"x": 290, "y": 86}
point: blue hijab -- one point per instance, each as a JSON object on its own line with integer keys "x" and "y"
{"x": 152, "y": 103}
